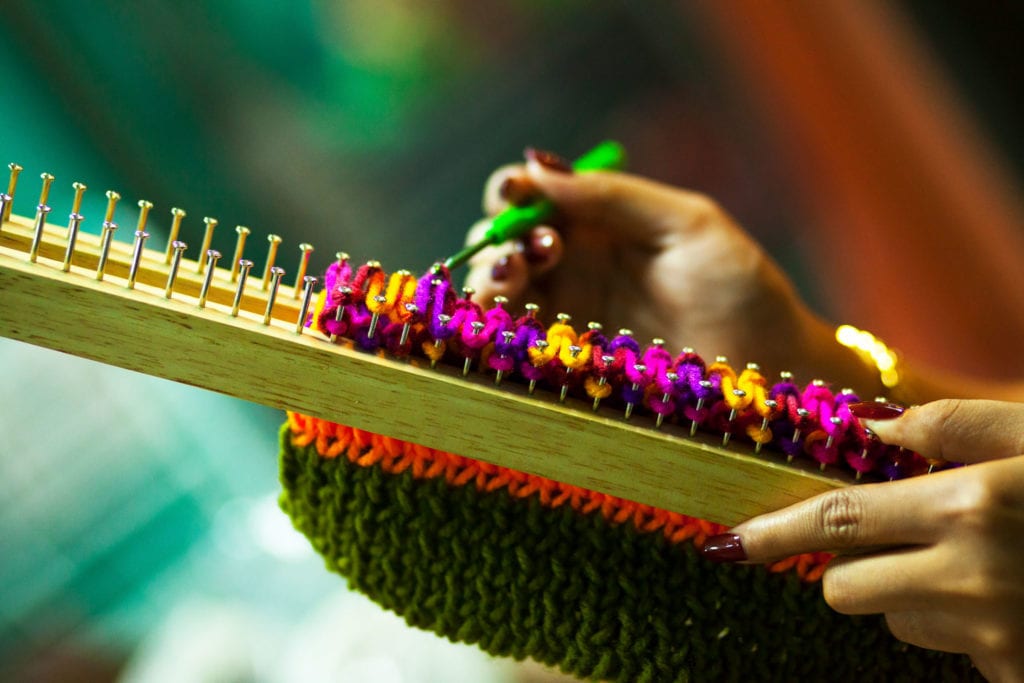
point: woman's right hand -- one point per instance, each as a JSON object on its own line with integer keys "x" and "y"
{"x": 940, "y": 555}
{"x": 663, "y": 262}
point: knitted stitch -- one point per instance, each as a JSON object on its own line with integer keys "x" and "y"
{"x": 597, "y": 594}
{"x": 525, "y": 566}
{"x": 408, "y": 317}
{"x": 395, "y": 456}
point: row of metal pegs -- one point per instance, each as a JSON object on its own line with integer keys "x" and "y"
{"x": 174, "y": 251}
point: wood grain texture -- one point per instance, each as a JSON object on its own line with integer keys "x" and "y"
{"x": 239, "y": 356}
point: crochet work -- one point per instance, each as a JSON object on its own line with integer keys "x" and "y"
{"x": 600, "y": 587}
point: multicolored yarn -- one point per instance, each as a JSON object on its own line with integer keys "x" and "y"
{"x": 525, "y": 566}
{"x": 600, "y": 587}
{"x": 408, "y": 317}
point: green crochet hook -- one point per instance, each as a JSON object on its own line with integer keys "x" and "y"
{"x": 515, "y": 221}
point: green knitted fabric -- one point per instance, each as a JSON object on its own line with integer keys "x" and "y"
{"x": 595, "y": 599}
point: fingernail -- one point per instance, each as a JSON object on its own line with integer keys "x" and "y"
{"x": 515, "y": 191}
{"x": 876, "y": 410}
{"x": 724, "y": 548}
{"x": 548, "y": 160}
{"x": 538, "y": 248}
{"x": 499, "y": 272}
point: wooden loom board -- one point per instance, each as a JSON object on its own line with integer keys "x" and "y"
{"x": 141, "y": 330}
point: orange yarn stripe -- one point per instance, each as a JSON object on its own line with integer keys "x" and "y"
{"x": 394, "y": 456}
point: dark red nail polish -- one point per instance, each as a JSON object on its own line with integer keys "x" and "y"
{"x": 499, "y": 272}
{"x": 507, "y": 188}
{"x": 548, "y": 160}
{"x": 537, "y": 248}
{"x": 516, "y": 191}
{"x": 875, "y": 410}
{"x": 724, "y": 548}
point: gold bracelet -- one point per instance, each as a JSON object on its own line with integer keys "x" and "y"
{"x": 873, "y": 351}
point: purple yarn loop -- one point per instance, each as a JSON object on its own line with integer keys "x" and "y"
{"x": 811, "y": 422}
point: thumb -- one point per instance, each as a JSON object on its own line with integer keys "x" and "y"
{"x": 957, "y": 430}
{"x": 623, "y": 205}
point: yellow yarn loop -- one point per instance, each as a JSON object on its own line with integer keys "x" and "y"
{"x": 595, "y": 389}
{"x": 434, "y": 350}
{"x": 753, "y": 383}
{"x": 736, "y": 400}
{"x": 401, "y": 290}
{"x": 577, "y": 361}
{"x": 318, "y": 305}
{"x": 559, "y": 334}
{"x": 374, "y": 289}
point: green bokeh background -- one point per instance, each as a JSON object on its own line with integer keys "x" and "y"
{"x": 364, "y": 126}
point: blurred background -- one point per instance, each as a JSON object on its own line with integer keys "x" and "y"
{"x": 874, "y": 147}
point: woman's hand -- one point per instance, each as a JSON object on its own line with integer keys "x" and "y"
{"x": 942, "y": 555}
{"x": 663, "y": 262}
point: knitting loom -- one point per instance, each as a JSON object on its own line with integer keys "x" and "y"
{"x": 541, "y": 540}
{"x": 192, "y": 321}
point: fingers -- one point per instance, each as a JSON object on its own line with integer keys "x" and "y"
{"x": 498, "y": 272}
{"x": 856, "y": 517}
{"x": 987, "y": 644}
{"x": 903, "y": 580}
{"x": 637, "y": 210}
{"x": 957, "y": 430}
{"x": 543, "y": 249}
{"x": 508, "y": 185}
{"x": 929, "y": 629}
{"x": 509, "y": 269}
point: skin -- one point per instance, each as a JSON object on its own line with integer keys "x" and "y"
{"x": 941, "y": 556}
{"x": 661, "y": 261}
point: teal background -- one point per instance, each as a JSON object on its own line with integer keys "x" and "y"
{"x": 137, "y": 517}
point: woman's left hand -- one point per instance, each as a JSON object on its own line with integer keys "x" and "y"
{"x": 941, "y": 555}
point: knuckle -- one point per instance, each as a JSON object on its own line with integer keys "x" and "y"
{"x": 916, "y": 628}
{"x": 980, "y": 504}
{"x": 492, "y": 199}
{"x": 947, "y": 408}
{"x": 840, "y": 518}
{"x": 607, "y": 191}
{"x": 904, "y": 627}
{"x": 952, "y": 422}
{"x": 999, "y": 640}
{"x": 837, "y": 592}
{"x": 704, "y": 209}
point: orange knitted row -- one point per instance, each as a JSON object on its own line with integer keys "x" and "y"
{"x": 394, "y": 456}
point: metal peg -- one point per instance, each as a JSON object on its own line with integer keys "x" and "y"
{"x": 275, "y": 242}
{"x": 108, "y": 235}
{"x": 5, "y": 201}
{"x": 176, "y": 216}
{"x": 236, "y": 263}
{"x": 211, "y": 223}
{"x": 244, "y": 266}
{"x": 12, "y": 185}
{"x": 275, "y": 282}
{"x": 308, "y": 283}
{"x": 177, "y": 249}
{"x": 212, "y": 256}
{"x": 140, "y": 241}
{"x": 74, "y": 221}
{"x": 307, "y": 250}
{"x": 41, "y": 211}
